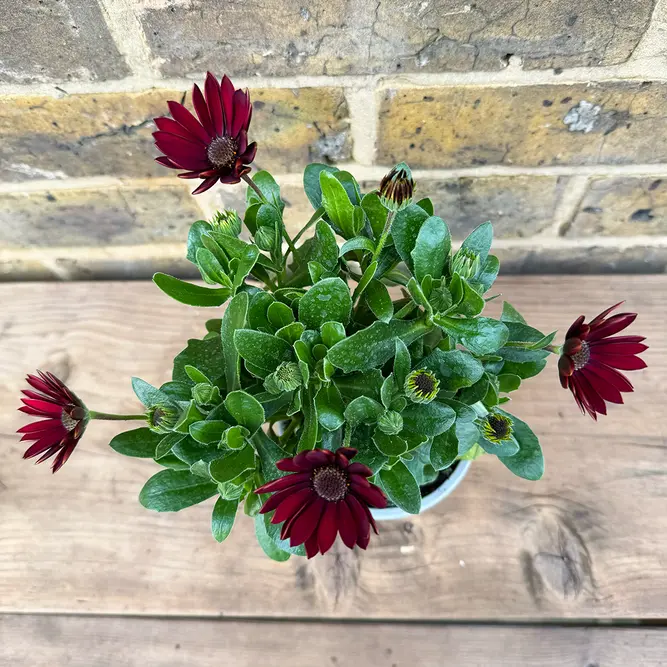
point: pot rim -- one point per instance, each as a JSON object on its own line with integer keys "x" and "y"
{"x": 432, "y": 499}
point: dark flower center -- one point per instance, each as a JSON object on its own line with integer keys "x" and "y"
{"x": 499, "y": 426}
{"x": 330, "y": 483}
{"x": 68, "y": 422}
{"x": 222, "y": 151}
{"x": 424, "y": 383}
{"x": 580, "y": 359}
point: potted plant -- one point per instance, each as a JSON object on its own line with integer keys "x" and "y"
{"x": 350, "y": 376}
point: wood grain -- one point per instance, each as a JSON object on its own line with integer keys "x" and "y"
{"x": 45, "y": 641}
{"x": 588, "y": 541}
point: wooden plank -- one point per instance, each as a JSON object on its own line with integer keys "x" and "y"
{"x": 588, "y": 541}
{"x": 45, "y": 641}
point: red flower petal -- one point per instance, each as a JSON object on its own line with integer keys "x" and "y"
{"x": 607, "y": 391}
{"x": 311, "y": 546}
{"x": 62, "y": 457}
{"x": 213, "y": 102}
{"x": 279, "y": 496}
{"x": 306, "y": 523}
{"x": 40, "y": 407}
{"x": 610, "y": 375}
{"x": 182, "y": 116}
{"x": 292, "y": 504}
{"x": 227, "y": 94}
{"x": 572, "y": 346}
{"x": 303, "y": 462}
{"x": 287, "y": 465}
{"x": 328, "y": 528}
{"x": 359, "y": 469}
{"x": 576, "y": 327}
{"x": 589, "y": 397}
{"x": 597, "y": 320}
{"x": 363, "y": 524}
{"x": 241, "y": 111}
{"x": 565, "y": 365}
{"x": 283, "y": 483}
{"x": 40, "y": 446}
{"x": 346, "y": 525}
{"x": 622, "y": 362}
{"x": 165, "y": 124}
{"x": 319, "y": 457}
{"x": 166, "y": 162}
{"x": 606, "y": 346}
{"x": 611, "y": 326}
{"x": 372, "y": 495}
{"x": 206, "y": 184}
{"x": 202, "y": 110}
{"x": 43, "y": 425}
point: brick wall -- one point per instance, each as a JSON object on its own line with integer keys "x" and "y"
{"x": 547, "y": 117}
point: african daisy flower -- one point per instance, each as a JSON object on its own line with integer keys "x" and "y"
{"x": 325, "y": 496}
{"x": 592, "y": 357}
{"x": 215, "y": 147}
{"x": 66, "y": 419}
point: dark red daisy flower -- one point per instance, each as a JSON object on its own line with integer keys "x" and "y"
{"x": 326, "y": 495}
{"x": 591, "y": 357}
{"x": 215, "y": 147}
{"x": 66, "y": 419}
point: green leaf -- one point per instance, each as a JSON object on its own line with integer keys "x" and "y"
{"x": 465, "y": 428}
{"x": 206, "y": 355}
{"x": 148, "y": 394}
{"x": 506, "y": 448}
{"x": 337, "y": 204}
{"x": 328, "y": 300}
{"x": 223, "y": 517}
{"x": 366, "y": 278}
{"x": 257, "y": 311}
{"x": 325, "y": 248}
{"x": 445, "y": 449}
{"x": 363, "y": 410}
{"x": 208, "y": 432}
{"x": 262, "y": 349}
{"x": 511, "y": 314}
{"x": 233, "y": 319}
{"x": 332, "y": 333}
{"x": 429, "y": 419}
{"x": 489, "y": 273}
{"x": 246, "y": 410}
{"x": 543, "y": 342}
{"x": 375, "y": 212}
{"x": 481, "y": 335}
{"x": 468, "y": 302}
{"x": 192, "y": 295}
{"x": 474, "y": 394}
{"x": 508, "y": 382}
{"x": 330, "y": 408}
{"x": 405, "y": 230}
{"x": 373, "y": 346}
{"x": 177, "y": 391}
{"x": 174, "y": 490}
{"x": 268, "y": 187}
{"x": 232, "y": 463}
{"x": 432, "y": 248}
{"x": 168, "y": 442}
{"x": 140, "y": 442}
{"x": 269, "y": 547}
{"x": 529, "y": 461}
{"x": 189, "y": 416}
{"x": 311, "y": 182}
{"x": 308, "y": 438}
{"x": 401, "y": 487}
{"x": 426, "y": 204}
{"x": 279, "y": 315}
{"x": 269, "y": 454}
{"x": 197, "y": 230}
{"x": 455, "y": 369}
{"x": 357, "y": 243}
{"x": 196, "y": 375}
{"x": 211, "y": 269}
{"x": 291, "y": 333}
{"x": 389, "y": 389}
{"x": 349, "y": 182}
{"x": 378, "y": 300}
{"x": 389, "y": 445}
{"x": 402, "y": 363}
{"x": 479, "y": 241}
{"x": 360, "y": 384}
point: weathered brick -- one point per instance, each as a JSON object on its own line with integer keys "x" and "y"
{"x": 579, "y": 124}
{"x": 88, "y": 135}
{"x": 56, "y": 40}
{"x": 582, "y": 260}
{"x": 622, "y": 206}
{"x": 284, "y": 37}
{"x": 125, "y": 215}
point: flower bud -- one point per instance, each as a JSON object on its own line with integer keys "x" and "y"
{"x": 496, "y": 428}
{"x": 466, "y": 263}
{"x": 162, "y": 418}
{"x": 421, "y": 386}
{"x": 391, "y": 422}
{"x": 397, "y": 187}
{"x": 287, "y": 377}
{"x": 265, "y": 238}
{"x": 226, "y": 222}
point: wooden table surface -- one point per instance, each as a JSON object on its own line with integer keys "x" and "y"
{"x": 504, "y": 572}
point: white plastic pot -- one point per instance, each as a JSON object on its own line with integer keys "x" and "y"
{"x": 433, "y": 498}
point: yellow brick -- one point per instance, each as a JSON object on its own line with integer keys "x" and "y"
{"x": 605, "y": 123}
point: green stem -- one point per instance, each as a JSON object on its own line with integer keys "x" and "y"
{"x": 111, "y": 417}
{"x": 313, "y": 219}
{"x": 383, "y": 236}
